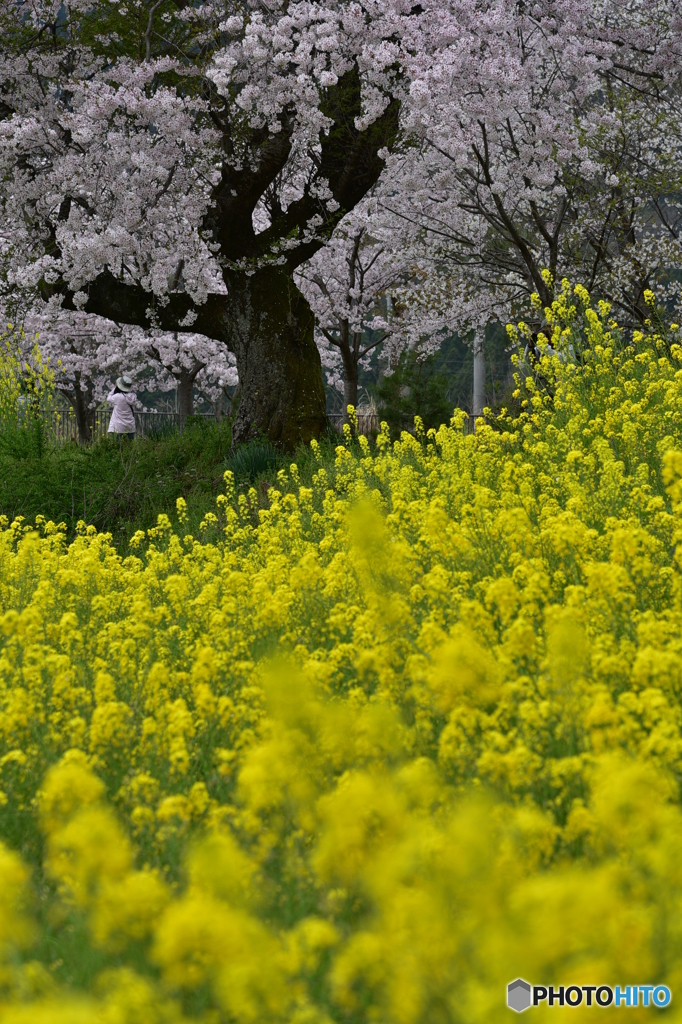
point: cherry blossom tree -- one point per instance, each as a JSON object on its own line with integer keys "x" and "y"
{"x": 169, "y": 165}
{"x": 550, "y": 139}
{"x": 86, "y": 355}
{"x": 356, "y": 286}
{"x": 186, "y": 362}
{"x": 346, "y": 283}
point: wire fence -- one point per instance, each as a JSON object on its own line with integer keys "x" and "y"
{"x": 63, "y": 427}
{"x": 368, "y": 423}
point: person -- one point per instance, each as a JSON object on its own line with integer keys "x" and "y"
{"x": 122, "y": 418}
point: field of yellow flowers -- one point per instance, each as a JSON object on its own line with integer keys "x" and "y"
{"x": 366, "y": 755}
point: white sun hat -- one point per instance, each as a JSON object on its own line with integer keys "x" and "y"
{"x": 124, "y": 383}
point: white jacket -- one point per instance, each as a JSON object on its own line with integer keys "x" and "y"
{"x": 122, "y": 419}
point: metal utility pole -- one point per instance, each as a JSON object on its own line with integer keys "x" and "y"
{"x": 479, "y": 372}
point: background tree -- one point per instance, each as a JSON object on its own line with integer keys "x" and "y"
{"x": 185, "y": 362}
{"x": 550, "y": 139}
{"x": 86, "y": 355}
{"x": 416, "y": 386}
{"x": 347, "y": 284}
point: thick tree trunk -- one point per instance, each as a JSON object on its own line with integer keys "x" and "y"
{"x": 479, "y": 372}
{"x": 270, "y": 328}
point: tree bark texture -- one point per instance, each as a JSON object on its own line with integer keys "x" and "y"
{"x": 350, "y": 395}
{"x": 270, "y": 328}
{"x": 185, "y": 396}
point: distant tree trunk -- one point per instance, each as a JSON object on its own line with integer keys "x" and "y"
{"x": 350, "y": 369}
{"x": 270, "y": 328}
{"x": 350, "y": 395}
{"x": 479, "y": 372}
{"x": 185, "y": 395}
{"x": 220, "y": 406}
{"x": 225, "y": 404}
{"x": 80, "y": 400}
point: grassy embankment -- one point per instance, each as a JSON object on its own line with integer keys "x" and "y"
{"x": 122, "y": 487}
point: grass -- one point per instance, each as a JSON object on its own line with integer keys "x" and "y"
{"x": 121, "y": 487}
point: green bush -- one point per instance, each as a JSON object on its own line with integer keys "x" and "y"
{"x": 417, "y": 387}
{"x": 254, "y": 459}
